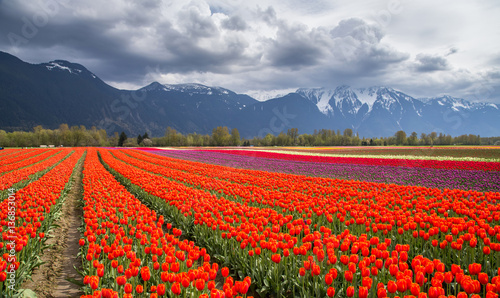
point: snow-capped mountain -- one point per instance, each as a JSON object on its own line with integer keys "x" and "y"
{"x": 264, "y": 95}
{"x": 57, "y": 92}
{"x": 459, "y": 104}
{"x": 198, "y": 93}
{"x": 376, "y": 110}
{"x": 348, "y": 100}
{"x": 66, "y": 66}
{"x": 192, "y": 88}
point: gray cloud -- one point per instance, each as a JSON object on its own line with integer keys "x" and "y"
{"x": 235, "y": 23}
{"x": 452, "y": 51}
{"x": 268, "y": 15}
{"x": 254, "y": 45}
{"x": 429, "y": 63}
{"x": 358, "y": 30}
{"x": 296, "y": 46}
{"x": 358, "y": 45}
{"x": 195, "y": 24}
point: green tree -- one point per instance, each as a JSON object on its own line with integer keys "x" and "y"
{"x": 293, "y": 134}
{"x": 282, "y": 139}
{"x": 235, "y": 137}
{"x": 122, "y": 139}
{"x": 220, "y": 136}
{"x": 78, "y": 135}
{"x": 433, "y": 137}
{"x": 400, "y": 137}
{"x": 171, "y": 135}
{"x": 139, "y": 139}
{"x": 348, "y": 132}
{"x": 267, "y": 140}
{"x": 413, "y": 139}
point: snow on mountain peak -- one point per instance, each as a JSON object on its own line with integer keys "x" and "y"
{"x": 264, "y": 95}
{"x": 58, "y": 64}
{"x": 319, "y": 96}
{"x": 191, "y": 88}
{"x": 367, "y": 96}
{"x": 456, "y": 104}
{"x": 346, "y": 100}
{"x": 72, "y": 68}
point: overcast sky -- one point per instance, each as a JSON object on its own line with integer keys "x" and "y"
{"x": 423, "y": 48}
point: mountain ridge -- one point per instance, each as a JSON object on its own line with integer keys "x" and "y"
{"x": 60, "y": 91}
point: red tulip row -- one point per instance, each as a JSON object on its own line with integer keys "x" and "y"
{"x": 32, "y": 166}
{"x": 9, "y": 152}
{"x": 295, "y": 192}
{"x": 20, "y": 156}
{"x": 434, "y": 164}
{"x": 265, "y": 236}
{"x": 128, "y": 254}
{"x": 28, "y": 160}
{"x": 26, "y": 217}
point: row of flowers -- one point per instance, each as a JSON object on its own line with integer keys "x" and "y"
{"x": 26, "y": 218}
{"x": 431, "y": 178}
{"x": 288, "y": 190}
{"x": 24, "y": 169}
{"x": 421, "y": 163}
{"x": 472, "y": 153}
{"x": 311, "y": 240}
{"x": 24, "y": 159}
{"x": 14, "y": 155}
{"x": 9, "y": 153}
{"x": 128, "y": 253}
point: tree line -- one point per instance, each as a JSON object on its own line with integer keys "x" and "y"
{"x": 223, "y": 136}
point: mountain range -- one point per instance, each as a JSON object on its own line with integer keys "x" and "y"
{"x": 59, "y": 91}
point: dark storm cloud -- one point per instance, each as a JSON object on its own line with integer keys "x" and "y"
{"x": 81, "y": 38}
{"x": 352, "y": 43}
{"x": 429, "y": 63}
{"x": 241, "y": 45}
{"x": 296, "y": 46}
{"x": 106, "y": 44}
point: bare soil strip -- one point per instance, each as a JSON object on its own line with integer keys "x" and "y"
{"x": 49, "y": 280}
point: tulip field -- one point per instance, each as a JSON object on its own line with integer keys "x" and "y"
{"x": 284, "y": 222}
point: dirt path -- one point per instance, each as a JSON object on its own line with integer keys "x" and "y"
{"x": 49, "y": 280}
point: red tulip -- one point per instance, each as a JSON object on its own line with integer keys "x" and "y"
{"x": 362, "y": 292}
{"x": 139, "y": 289}
{"x": 348, "y": 276}
{"x": 350, "y": 291}
{"x": 121, "y": 280}
{"x": 474, "y": 269}
{"x": 176, "y": 288}
{"x": 160, "y": 289}
{"x": 276, "y": 258}
{"x": 330, "y": 292}
{"x": 392, "y": 287}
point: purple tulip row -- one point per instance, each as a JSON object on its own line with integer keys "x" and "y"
{"x": 433, "y": 178}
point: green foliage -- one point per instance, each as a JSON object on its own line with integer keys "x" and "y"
{"x": 122, "y": 139}
{"x": 222, "y": 136}
{"x": 62, "y": 136}
{"x": 400, "y": 138}
{"x": 235, "y": 137}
